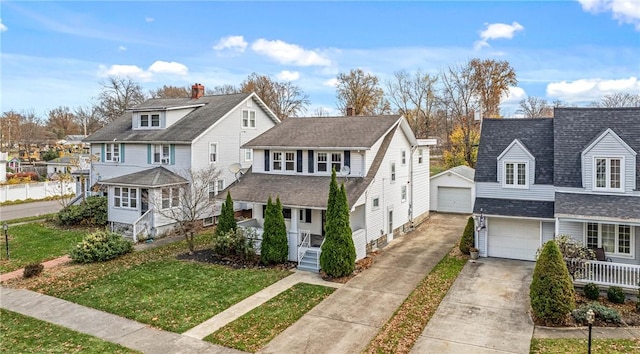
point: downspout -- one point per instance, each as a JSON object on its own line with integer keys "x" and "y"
{"x": 413, "y": 150}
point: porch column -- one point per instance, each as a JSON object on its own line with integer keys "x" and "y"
{"x": 294, "y": 238}
{"x": 294, "y": 220}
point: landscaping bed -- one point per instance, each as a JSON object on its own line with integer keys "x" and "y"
{"x": 208, "y": 256}
{"x": 361, "y": 265}
{"x": 570, "y": 345}
{"x": 628, "y": 314}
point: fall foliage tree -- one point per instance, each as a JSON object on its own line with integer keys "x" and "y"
{"x": 283, "y": 98}
{"x": 490, "y": 80}
{"x": 117, "y": 95}
{"x": 62, "y": 122}
{"x": 360, "y": 91}
{"x": 462, "y": 152}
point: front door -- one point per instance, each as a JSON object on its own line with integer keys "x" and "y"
{"x": 144, "y": 201}
{"x": 390, "y": 222}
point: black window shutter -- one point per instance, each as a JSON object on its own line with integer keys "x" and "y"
{"x": 266, "y": 160}
{"x": 310, "y": 154}
{"x": 264, "y": 211}
{"x": 299, "y": 160}
{"x": 308, "y": 211}
{"x": 347, "y": 158}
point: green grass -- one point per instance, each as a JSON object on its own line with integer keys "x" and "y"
{"x": 31, "y": 218}
{"x": 570, "y": 345}
{"x": 170, "y": 294}
{"x": 402, "y": 330}
{"x": 36, "y": 242}
{"x": 22, "y": 334}
{"x": 254, "y": 330}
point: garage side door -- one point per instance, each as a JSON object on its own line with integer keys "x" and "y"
{"x": 514, "y": 239}
{"x": 454, "y": 200}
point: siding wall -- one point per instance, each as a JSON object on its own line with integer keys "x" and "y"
{"x": 548, "y": 231}
{"x": 175, "y": 115}
{"x": 543, "y": 192}
{"x": 356, "y": 167}
{"x": 609, "y": 146}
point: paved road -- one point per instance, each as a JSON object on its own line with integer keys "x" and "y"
{"x": 9, "y": 212}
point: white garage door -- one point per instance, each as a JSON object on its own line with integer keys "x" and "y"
{"x": 455, "y": 200}
{"x": 515, "y": 239}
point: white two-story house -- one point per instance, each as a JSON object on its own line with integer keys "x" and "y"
{"x": 576, "y": 174}
{"x": 145, "y": 154}
{"x": 384, "y": 168}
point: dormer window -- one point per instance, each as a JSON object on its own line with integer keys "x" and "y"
{"x": 608, "y": 173}
{"x": 516, "y": 175}
{"x": 149, "y": 120}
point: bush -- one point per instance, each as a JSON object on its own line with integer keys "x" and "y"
{"x": 616, "y": 295}
{"x": 601, "y": 312}
{"x": 100, "y": 246}
{"x": 592, "y": 291}
{"x": 91, "y": 212}
{"x": 33, "y": 270}
{"x": 275, "y": 246}
{"x": 551, "y": 292}
{"x": 238, "y": 242}
{"x": 466, "y": 242}
{"x": 226, "y": 220}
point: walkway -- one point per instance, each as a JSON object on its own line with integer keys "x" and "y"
{"x": 48, "y": 264}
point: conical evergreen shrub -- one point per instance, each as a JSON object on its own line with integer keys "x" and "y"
{"x": 226, "y": 220}
{"x": 275, "y": 247}
{"x": 467, "y": 236}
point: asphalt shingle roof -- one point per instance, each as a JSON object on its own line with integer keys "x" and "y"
{"x": 535, "y": 134}
{"x": 155, "y": 177}
{"x": 576, "y": 128}
{"x": 514, "y": 207}
{"x": 185, "y": 130}
{"x": 596, "y": 205}
{"x": 325, "y": 132}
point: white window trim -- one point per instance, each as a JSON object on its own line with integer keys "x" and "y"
{"x": 403, "y": 157}
{"x": 249, "y": 120}
{"x": 205, "y": 223}
{"x": 280, "y": 160}
{"x": 172, "y": 198}
{"x": 373, "y": 206}
{"x": 150, "y": 119}
{"x": 109, "y": 148}
{"x": 216, "y": 154}
{"x": 420, "y": 156}
{"x": 613, "y": 254}
{"x": 608, "y": 174}
{"x": 403, "y": 193}
{"x": 164, "y": 160}
{"x": 248, "y": 154}
{"x": 129, "y": 199}
{"x": 284, "y": 165}
{"x": 329, "y": 161}
{"x": 393, "y": 172}
{"x": 515, "y": 174}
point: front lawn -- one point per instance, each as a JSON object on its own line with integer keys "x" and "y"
{"x": 566, "y": 345}
{"x": 23, "y": 334}
{"x": 255, "y": 329}
{"x": 36, "y": 242}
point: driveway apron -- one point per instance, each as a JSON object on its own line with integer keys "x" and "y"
{"x": 347, "y": 320}
{"x": 485, "y": 311}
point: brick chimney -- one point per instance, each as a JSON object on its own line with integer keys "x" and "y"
{"x": 349, "y": 111}
{"x": 197, "y": 91}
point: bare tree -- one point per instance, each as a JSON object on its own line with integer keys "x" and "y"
{"x": 188, "y": 204}
{"x": 62, "y": 122}
{"x": 361, "y": 92}
{"x": 414, "y": 96}
{"x": 31, "y": 129}
{"x": 535, "y": 107}
{"x": 460, "y": 102}
{"x": 88, "y": 119}
{"x": 117, "y": 95}
{"x": 225, "y": 89}
{"x": 621, "y": 99}
{"x": 10, "y": 128}
{"x": 320, "y": 112}
{"x": 283, "y": 98}
{"x": 170, "y": 92}
{"x": 490, "y": 80}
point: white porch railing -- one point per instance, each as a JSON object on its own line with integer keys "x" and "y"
{"x": 606, "y": 273}
{"x": 305, "y": 244}
{"x": 143, "y": 225}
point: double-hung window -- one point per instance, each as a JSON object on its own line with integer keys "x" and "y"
{"x": 216, "y": 187}
{"x": 124, "y": 197}
{"x": 148, "y": 120}
{"x": 161, "y": 154}
{"x": 248, "y": 118}
{"x": 290, "y": 161}
{"x": 277, "y": 161}
{"x": 393, "y": 172}
{"x": 322, "y": 162}
{"x": 403, "y": 193}
{"x": 515, "y": 174}
{"x": 403, "y": 156}
{"x": 608, "y": 173}
{"x": 112, "y": 152}
{"x": 170, "y": 197}
{"x": 420, "y": 155}
{"x": 616, "y": 239}
{"x": 213, "y": 152}
{"x": 336, "y": 161}
{"x": 248, "y": 154}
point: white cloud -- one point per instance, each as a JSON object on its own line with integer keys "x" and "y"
{"x": 625, "y": 11}
{"x": 163, "y": 67}
{"x": 497, "y": 31}
{"x": 235, "y": 43}
{"x": 286, "y": 53}
{"x": 3, "y": 28}
{"x": 287, "y": 75}
{"x": 514, "y": 95}
{"x": 331, "y": 82}
{"x": 587, "y": 90}
{"x": 122, "y": 48}
{"x": 149, "y": 19}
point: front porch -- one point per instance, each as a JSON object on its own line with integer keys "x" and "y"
{"x": 626, "y": 276}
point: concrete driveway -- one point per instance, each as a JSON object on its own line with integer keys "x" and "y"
{"x": 348, "y": 319}
{"x": 485, "y": 311}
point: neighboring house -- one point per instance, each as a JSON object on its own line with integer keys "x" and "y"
{"x": 453, "y": 190}
{"x": 67, "y": 164}
{"x": 385, "y": 170}
{"x": 140, "y": 158}
{"x": 576, "y": 174}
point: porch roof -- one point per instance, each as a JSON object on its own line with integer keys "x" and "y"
{"x": 596, "y": 205}
{"x": 154, "y": 177}
{"x": 514, "y": 207}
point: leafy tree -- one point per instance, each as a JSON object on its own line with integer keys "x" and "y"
{"x": 463, "y": 148}
{"x": 118, "y": 94}
{"x": 551, "y": 291}
{"x": 466, "y": 242}
{"x": 170, "y": 92}
{"x": 338, "y": 251}
{"x": 283, "y": 98}
{"x": 415, "y": 97}
{"x": 535, "y": 107}
{"x": 274, "y": 248}
{"x": 227, "y": 220}
{"x": 50, "y": 155}
{"x": 361, "y": 92}
{"x": 62, "y": 122}
{"x": 490, "y": 80}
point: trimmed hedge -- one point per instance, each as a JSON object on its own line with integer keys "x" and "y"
{"x": 99, "y": 247}
{"x": 467, "y": 236}
{"x": 592, "y": 291}
{"x": 616, "y": 295}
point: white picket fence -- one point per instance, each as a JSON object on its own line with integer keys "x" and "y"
{"x": 40, "y": 190}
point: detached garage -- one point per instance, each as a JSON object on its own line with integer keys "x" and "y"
{"x": 453, "y": 191}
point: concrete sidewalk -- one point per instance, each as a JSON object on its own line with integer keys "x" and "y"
{"x": 348, "y": 319}
{"x": 112, "y": 328}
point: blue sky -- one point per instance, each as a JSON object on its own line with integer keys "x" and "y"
{"x": 55, "y": 53}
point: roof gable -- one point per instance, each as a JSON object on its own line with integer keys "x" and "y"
{"x": 602, "y": 136}
{"x": 518, "y": 144}
{"x": 462, "y": 171}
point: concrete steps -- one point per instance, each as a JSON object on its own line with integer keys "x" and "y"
{"x": 310, "y": 261}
